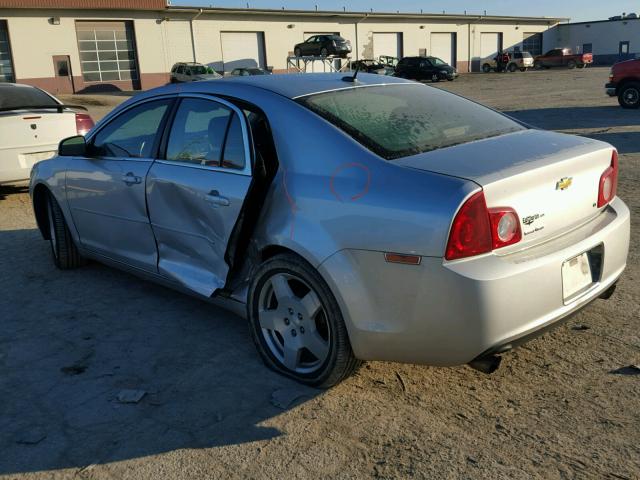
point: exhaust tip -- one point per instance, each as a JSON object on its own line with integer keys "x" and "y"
{"x": 487, "y": 364}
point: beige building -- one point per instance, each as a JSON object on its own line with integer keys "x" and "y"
{"x": 66, "y": 46}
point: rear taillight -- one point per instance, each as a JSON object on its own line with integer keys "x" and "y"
{"x": 505, "y": 227}
{"x": 608, "y": 182}
{"x": 477, "y": 229}
{"x": 84, "y": 123}
{"x": 471, "y": 230}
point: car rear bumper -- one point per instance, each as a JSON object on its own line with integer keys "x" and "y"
{"x": 448, "y": 313}
{"x": 611, "y": 89}
{"x": 16, "y": 164}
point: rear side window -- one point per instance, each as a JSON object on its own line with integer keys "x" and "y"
{"x": 18, "y": 96}
{"x": 396, "y": 121}
{"x": 133, "y": 133}
{"x": 206, "y": 133}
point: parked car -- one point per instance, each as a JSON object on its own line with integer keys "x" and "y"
{"x": 517, "y": 61}
{"x": 248, "y": 71}
{"x": 323, "y": 46}
{"x": 32, "y": 123}
{"x": 411, "y": 238}
{"x": 371, "y": 66}
{"x": 624, "y": 83}
{"x": 562, "y": 57}
{"x": 388, "y": 61}
{"x": 425, "y": 68}
{"x": 192, "y": 72}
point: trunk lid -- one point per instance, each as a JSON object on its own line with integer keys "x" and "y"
{"x": 550, "y": 179}
{"x": 33, "y": 129}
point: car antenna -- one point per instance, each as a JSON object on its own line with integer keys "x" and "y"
{"x": 353, "y": 79}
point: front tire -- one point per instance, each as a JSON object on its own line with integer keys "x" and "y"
{"x": 486, "y": 68}
{"x": 512, "y": 67}
{"x": 324, "y": 52}
{"x": 297, "y": 325}
{"x": 571, "y": 64}
{"x": 65, "y": 253}
{"x": 629, "y": 95}
{"x": 435, "y": 78}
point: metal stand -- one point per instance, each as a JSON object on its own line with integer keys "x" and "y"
{"x": 307, "y": 64}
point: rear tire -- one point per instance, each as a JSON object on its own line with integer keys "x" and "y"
{"x": 571, "y": 64}
{"x": 65, "y": 253}
{"x": 512, "y": 67}
{"x": 629, "y": 95}
{"x": 486, "y": 68}
{"x": 435, "y": 78}
{"x": 523, "y": 69}
{"x": 290, "y": 310}
{"x": 324, "y": 52}
{"x": 297, "y": 52}
{"x": 537, "y": 66}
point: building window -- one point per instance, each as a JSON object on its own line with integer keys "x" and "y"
{"x": 624, "y": 48}
{"x": 532, "y": 43}
{"x": 107, "y": 51}
{"x": 6, "y": 66}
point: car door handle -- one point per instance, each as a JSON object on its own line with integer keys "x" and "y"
{"x": 217, "y": 200}
{"x": 131, "y": 179}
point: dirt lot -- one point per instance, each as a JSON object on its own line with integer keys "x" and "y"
{"x": 561, "y": 407}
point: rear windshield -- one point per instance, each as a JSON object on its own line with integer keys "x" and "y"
{"x": 396, "y": 121}
{"x": 19, "y": 96}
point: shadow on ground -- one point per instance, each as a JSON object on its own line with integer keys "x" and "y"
{"x": 607, "y": 123}
{"x": 6, "y": 190}
{"x": 72, "y": 341}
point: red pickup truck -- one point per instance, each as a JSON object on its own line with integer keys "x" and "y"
{"x": 562, "y": 57}
{"x": 624, "y": 82}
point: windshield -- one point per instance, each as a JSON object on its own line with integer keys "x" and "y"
{"x": 12, "y": 96}
{"x": 399, "y": 120}
{"x": 436, "y": 61}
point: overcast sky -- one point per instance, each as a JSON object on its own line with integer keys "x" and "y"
{"x": 577, "y": 10}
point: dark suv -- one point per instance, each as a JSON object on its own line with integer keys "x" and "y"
{"x": 323, "y": 46}
{"x": 425, "y": 68}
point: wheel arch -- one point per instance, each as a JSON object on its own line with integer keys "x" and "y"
{"x": 39, "y": 198}
{"x": 626, "y": 81}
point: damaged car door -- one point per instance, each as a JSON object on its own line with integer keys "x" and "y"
{"x": 196, "y": 191}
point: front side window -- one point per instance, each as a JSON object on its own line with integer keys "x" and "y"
{"x": 399, "y": 120}
{"x": 437, "y": 61}
{"x": 133, "y": 133}
{"x": 206, "y": 133}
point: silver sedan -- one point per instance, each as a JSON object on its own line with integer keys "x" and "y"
{"x": 376, "y": 219}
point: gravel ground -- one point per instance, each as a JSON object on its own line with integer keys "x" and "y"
{"x": 562, "y": 406}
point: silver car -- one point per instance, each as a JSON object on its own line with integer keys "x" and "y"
{"x": 376, "y": 219}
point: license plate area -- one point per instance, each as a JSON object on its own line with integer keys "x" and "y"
{"x": 580, "y": 273}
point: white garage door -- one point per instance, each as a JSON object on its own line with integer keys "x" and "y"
{"x": 489, "y": 45}
{"x": 242, "y": 49}
{"x": 388, "y": 44}
{"x": 443, "y": 46}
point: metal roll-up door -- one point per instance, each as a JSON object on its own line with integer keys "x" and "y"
{"x": 242, "y": 49}
{"x": 443, "y": 46}
{"x": 388, "y": 44}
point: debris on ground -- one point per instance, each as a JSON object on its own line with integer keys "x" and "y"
{"x": 76, "y": 369}
{"x": 580, "y": 327}
{"x": 628, "y": 370}
{"x": 32, "y": 436}
{"x": 399, "y": 377}
{"x": 131, "y": 396}
{"x": 287, "y": 397}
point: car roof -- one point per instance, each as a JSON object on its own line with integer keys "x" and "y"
{"x": 300, "y": 84}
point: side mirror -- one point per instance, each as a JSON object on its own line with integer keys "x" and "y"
{"x": 73, "y": 147}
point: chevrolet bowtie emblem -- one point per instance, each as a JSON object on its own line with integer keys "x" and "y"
{"x": 564, "y": 183}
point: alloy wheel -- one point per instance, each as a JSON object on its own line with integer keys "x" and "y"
{"x": 294, "y": 323}
{"x": 631, "y": 96}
